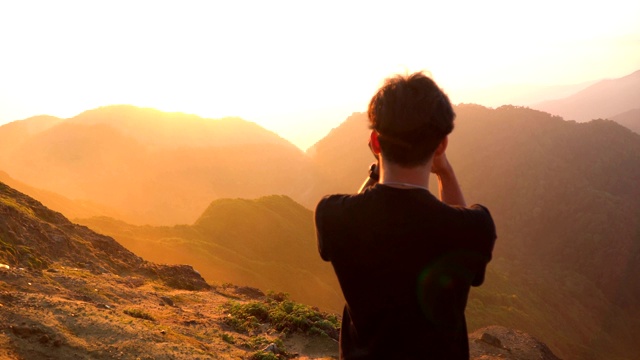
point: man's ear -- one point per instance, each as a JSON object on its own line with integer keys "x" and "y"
{"x": 374, "y": 144}
{"x": 442, "y": 146}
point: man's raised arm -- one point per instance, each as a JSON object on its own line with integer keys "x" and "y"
{"x": 450, "y": 192}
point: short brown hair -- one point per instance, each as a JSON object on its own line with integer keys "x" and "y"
{"x": 412, "y": 115}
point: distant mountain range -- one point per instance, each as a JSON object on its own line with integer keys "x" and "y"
{"x": 603, "y": 100}
{"x": 629, "y": 119}
{"x": 153, "y": 167}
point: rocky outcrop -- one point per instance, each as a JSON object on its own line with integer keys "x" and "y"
{"x": 497, "y": 342}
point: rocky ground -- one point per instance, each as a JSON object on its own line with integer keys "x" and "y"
{"x": 71, "y": 313}
{"x": 500, "y": 343}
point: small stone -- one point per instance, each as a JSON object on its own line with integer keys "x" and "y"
{"x": 491, "y": 340}
{"x": 167, "y": 300}
{"x": 273, "y": 348}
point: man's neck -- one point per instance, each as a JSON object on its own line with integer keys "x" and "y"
{"x": 391, "y": 173}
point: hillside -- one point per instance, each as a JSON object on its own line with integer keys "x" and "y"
{"x": 153, "y": 167}
{"x": 629, "y": 119}
{"x": 267, "y": 243}
{"x": 568, "y": 229}
{"x": 68, "y": 292}
{"x": 602, "y": 100}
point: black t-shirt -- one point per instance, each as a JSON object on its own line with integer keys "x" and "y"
{"x": 405, "y": 262}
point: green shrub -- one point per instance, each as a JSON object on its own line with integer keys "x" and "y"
{"x": 283, "y": 315}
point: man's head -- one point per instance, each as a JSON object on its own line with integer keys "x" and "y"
{"x": 411, "y": 116}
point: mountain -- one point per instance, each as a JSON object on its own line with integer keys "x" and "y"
{"x": 267, "y": 243}
{"x": 153, "y": 167}
{"x": 565, "y": 199}
{"x": 71, "y": 208}
{"x": 629, "y": 119}
{"x": 602, "y": 100}
{"x": 343, "y": 155}
{"x": 68, "y": 292}
{"x": 159, "y": 129}
{"x": 14, "y": 134}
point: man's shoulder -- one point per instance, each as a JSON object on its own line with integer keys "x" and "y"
{"x": 338, "y": 202}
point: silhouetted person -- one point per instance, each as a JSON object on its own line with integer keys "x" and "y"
{"x": 404, "y": 259}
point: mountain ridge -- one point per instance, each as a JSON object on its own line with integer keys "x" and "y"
{"x": 158, "y": 168}
{"x": 602, "y": 100}
{"x": 629, "y": 119}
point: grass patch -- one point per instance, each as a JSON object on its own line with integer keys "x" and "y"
{"x": 140, "y": 314}
{"x": 229, "y": 339}
{"x": 19, "y": 207}
{"x": 263, "y": 355}
{"x": 20, "y": 255}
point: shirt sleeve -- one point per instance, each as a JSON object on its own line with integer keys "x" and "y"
{"x": 485, "y": 242}
{"x": 321, "y": 219}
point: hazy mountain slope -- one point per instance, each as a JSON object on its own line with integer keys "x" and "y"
{"x": 599, "y": 101}
{"x": 174, "y": 130}
{"x": 14, "y": 134}
{"x": 567, "y": 207}
{"x": 71, "y": 208}
{"x": 160, "y": 168}
{"x": 549, "y": 182}
{"x": 629, "y": 119}
{"x": 268, "y": 243}
{"x": 343, "y": 156}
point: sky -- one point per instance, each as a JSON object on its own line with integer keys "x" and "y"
{"x": 300, "y": 68}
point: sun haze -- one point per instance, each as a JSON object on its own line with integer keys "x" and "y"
{"x": 295, "y": 68}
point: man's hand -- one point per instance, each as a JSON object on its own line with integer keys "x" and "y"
{"x": 440, "y": 165}
{"x": 450, "y": 192}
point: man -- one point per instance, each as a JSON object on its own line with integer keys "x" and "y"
{"x": 404, "y": 259}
